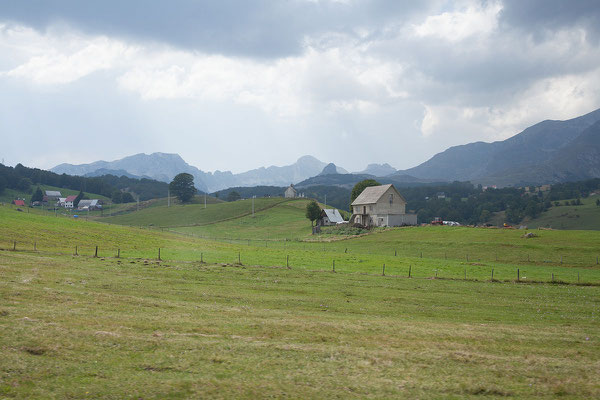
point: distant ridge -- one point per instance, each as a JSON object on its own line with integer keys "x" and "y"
{"x": 164, "y": 166}
{"x": 519, "y": 159}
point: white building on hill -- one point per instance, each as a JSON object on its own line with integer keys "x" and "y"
{"x": 381, "y": 206}
{"x": 290, "y": 192}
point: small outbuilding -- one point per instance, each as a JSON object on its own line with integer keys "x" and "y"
{"x": 329, "y": 217}
{"x": 20, "y": 203}
{"x": 88, "y": 205}
{"x": 381, "y": 206}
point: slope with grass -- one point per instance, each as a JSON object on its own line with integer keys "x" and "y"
{"x": 584, "y": 216}
{"x": 285, "y": 220}
{"x": 192, "y": 214}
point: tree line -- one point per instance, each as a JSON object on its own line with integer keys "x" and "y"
{"x": 119, "y": 189}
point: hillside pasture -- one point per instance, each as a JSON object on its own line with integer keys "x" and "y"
{"x": 192, "y": 214}
{"x": 584, "y": 216}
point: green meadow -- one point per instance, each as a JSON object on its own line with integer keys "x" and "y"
{"x": 231, "y": 310}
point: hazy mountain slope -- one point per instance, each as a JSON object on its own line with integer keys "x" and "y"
{"x": 534, "y": 146}
{"x": 377, "y": 170}
{"x": 160, "y": 166}
{"x": 578, "y": 160}
{"x": 163, "y": 167}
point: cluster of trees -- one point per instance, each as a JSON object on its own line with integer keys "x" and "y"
{"x": 24, "y": 179}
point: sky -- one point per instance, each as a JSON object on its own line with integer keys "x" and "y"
{"x": 235, "y": 85}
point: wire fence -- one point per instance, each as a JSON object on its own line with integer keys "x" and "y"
{"x": 316, "y": 260}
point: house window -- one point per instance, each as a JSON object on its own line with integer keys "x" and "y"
{"x": 391, "y": 198}
{"x": 370, "y": 208}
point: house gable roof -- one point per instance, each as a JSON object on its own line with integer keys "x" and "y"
{"x": 70, "y": 198}
{"x": 53, "y": 193}
{"x": 372, "y": 194}
{"x": 333, "y": 215}
{"x": 19, "y": 202}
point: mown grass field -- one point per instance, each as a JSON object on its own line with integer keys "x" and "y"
{"x": 107, "y": 327}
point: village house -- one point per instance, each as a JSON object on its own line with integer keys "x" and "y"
{"x": 69, "y": 201}
{"x": 330, "y": 217}
{"x": 381, "y": 206}
{"x": 290, "y": 192}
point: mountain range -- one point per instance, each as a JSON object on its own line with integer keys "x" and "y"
{"x": 548, "y": 152}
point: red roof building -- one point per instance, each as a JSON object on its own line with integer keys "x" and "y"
{"x": 19, "y": 203}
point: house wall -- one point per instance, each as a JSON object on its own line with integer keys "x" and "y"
{"x": 290, "y": 193}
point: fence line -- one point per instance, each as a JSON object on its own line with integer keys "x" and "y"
{"x": 285, "y": 263}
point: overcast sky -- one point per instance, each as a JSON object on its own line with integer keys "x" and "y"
{"x": 234, "y": 85}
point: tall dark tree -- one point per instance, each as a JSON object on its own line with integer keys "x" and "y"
{"x": 37, "y": 195}
{"x": 313, "y": 211}
{"x": 182, "y": 186}
{"x": 24, "y": 185}
{"x": 127, "y": 197}
{"x": 360, "y": 186}
{"x": 233, "y": 196}
{"x": 78, "y": 199}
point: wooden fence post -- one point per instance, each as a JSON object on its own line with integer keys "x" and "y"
{"x": 492, "y": 274}
{"x": 333, "y": 266}
{"x": 553, "y": 277}
{"x": 409, "y": 270}
{"x": 14, "y": 245}
{"x": 118, "y": 253}
{"x": 34, "y": 246}
{"x": 239, "y": 258}
{"x": 201, "y": 258}
{"x": 383, "y": 273}
{"x": 465, "y": 274}
{"x": 518, "y": 275}
{"x": 76, "y": 250}
{"x": 287, "y": 261}
{"x": 96, "y": 253}
{"x": 159, "y": 254}
{"x": 395, "y": 253}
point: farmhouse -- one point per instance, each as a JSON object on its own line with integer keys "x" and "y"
{"x": 330, "y": 217}
{"x": 290, "y": 192}
{"x": 381, "y": 206}
{"x": 69, "y": 201}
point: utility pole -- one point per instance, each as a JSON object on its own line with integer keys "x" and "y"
{"x": 168, "y": 198}
{"x": 253, "y": 197}
{"x": 204, "y": 200}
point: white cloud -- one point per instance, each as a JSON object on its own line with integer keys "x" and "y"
{"x": 62, "y": 59}
{"x": 473, "y": 19}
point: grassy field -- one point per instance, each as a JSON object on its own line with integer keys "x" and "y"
{"x": 285, "y": 220}
{"x": 134, "y": 326}
{"x": 585, "y": 216}
{"x": 192, "y": 214}
{"x": 76, "y": 327}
